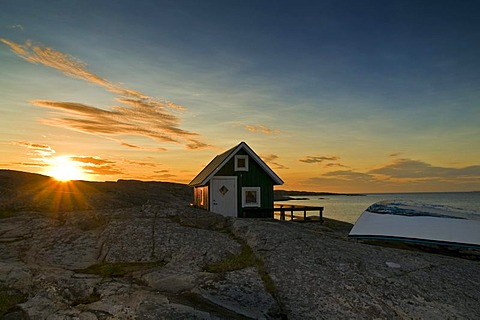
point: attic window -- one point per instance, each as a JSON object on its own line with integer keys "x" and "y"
{"x": 251, "y": 197}
{"x": 241, "y": 163}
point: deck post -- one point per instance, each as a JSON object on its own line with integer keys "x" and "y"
{"x": 320, "y": 215}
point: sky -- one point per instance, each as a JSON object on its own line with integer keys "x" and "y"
{"x": 339, "y": 96}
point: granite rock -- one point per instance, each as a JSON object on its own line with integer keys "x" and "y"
{"x": 134, "y": 250}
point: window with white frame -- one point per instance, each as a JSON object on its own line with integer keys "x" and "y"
{"x": 251, "y": 197}
{"x": 241, "y": 163}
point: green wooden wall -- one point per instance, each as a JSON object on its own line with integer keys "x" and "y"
{"x": 254, "y": 177}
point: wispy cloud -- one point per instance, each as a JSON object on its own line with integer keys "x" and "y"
{"x": 138, "y": 114}
{"x": 16, "y": 26}
{"x": 346, "y": 180}
{"x": 30, "y": 164}
{"x": 349, "y": 175}
{"x": 271, "y": 159}
{"x": 106, "y": 170}
{"x": 142, "y": 163}
{"x": 96, "y": 165}
{"x": 67, "y": 64}
{"x": 134, "y": 146}
{"x": 92, "y": 161}
{"x": 43, "y": 155}
{"x": 140, "y": 120}
{"x": 163, "y": 174}
{"x": 334, "y": 164}
{"x": 260, "y": 128}
{"x": 401, "y": 175}
{"x": 318, "y": 159}
{"x": 414, "y": 169}
{"x": 43, "y": 150}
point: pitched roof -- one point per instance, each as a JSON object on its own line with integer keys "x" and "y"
{"x": 219, "y": 161}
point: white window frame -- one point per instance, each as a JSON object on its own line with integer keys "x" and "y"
{"x": 257, "y": 204}
{"x": 244, "y": 157}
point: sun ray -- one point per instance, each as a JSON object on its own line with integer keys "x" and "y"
{"x": 63, "y": 197}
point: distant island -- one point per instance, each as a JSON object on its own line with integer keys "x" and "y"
{"x": 285, "y": 195}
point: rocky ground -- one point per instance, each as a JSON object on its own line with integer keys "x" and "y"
{"x": 120, "y": 259}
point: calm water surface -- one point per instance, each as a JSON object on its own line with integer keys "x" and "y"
{"x": 349, "y": 208}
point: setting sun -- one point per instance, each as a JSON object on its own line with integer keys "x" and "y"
{"x": 64, "y": 169}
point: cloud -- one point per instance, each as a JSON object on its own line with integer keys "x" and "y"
{"x": 67, "y": 64}
{"x": 106, "y": 170}
{"x": 279, "y": 165}
{"x": 346, "y": 181}
{"x": 319, "y": 159}
{"x": 130, "y": 145}
{"x": 162, "y": 174}
{"x": 195, "y": 144}
{"x": 44, "y": 154}
{"x": 141, "y": 119}
{"x": 413, "y": 169}
{"x": 43, "y": 150}
{"x": 96, "y": 165}
{"x": 133, "y": 146}
{"x": 349, "y": 175}
{"x": 137, "y": 114}
{"x": 333, "y": 164}
{"x": 401, "y": 175}
{"x": 410, "y": 170}
{"x": 16, "y": 26}
{"x": 30, "y": 164}
{"x": 261, "y": 129}
{"x": 92, "y": 161}
{"x": 270, "y": 159}
{"x": 147, "y": 164}
{"x": 394, "y": 154}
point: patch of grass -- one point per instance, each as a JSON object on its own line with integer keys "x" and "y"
{"x": 270, "y": 286}
{"x": 267, "y": 280}
{"x": 9, "y": 299}
{"x": 119, "y": 269}
{"x": 94, "y": 297}
{"x": 246, "y": 258}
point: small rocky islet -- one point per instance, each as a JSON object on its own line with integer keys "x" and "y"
{"x": 136, "y": 250}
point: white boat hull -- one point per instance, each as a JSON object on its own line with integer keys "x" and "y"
{"x": 425, "y": 224}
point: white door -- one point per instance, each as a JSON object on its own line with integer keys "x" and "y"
{"x": 224, "y": 195}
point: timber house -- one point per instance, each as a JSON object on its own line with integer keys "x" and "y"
{"x": 236, "y": 183}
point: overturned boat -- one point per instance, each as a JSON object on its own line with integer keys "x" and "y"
{"x": 418, "y": 223}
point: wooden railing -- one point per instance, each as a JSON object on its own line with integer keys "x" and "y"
{"x": 281, "y": 211}
{"x": 285, "y": 209}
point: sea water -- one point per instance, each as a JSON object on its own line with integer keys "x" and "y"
{"x": 349, "y": 208}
